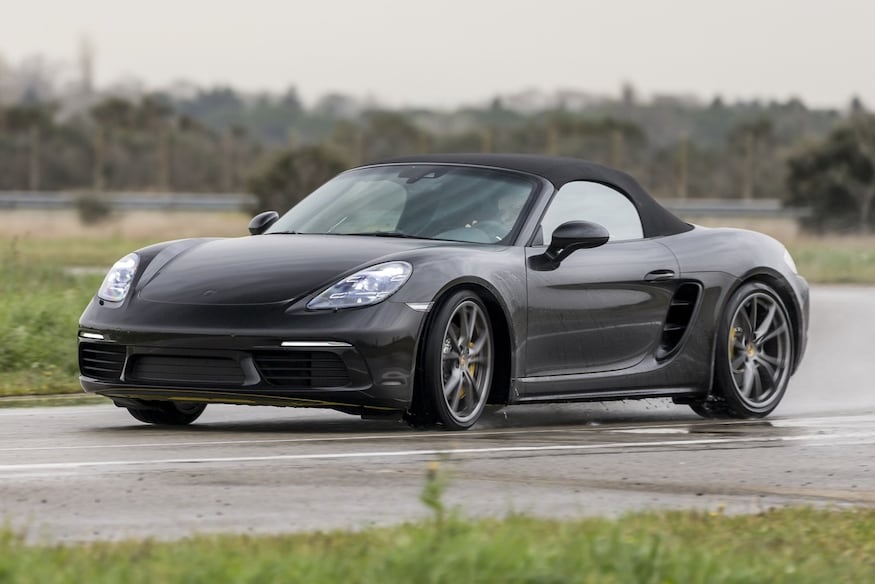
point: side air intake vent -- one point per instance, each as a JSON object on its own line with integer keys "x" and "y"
{"x": 680, "y": 313}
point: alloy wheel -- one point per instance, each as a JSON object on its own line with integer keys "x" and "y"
{"x": 466, "y": 362}
{"x": 759, "y": 350}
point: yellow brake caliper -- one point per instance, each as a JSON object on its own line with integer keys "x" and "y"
{"x": 732, "y": 335}
{"x": 472, "y": 368}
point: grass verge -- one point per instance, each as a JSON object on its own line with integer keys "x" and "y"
{"x": 42, "y": 293}
{"x": 789, "y": 545}
{"x": 835, "y": 260}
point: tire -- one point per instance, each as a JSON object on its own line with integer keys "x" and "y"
{"x": 711, "y": 409}
{"x": 458, "y": 362}
{"x": 168, "y": 413}
{"x": 753, "y": 357}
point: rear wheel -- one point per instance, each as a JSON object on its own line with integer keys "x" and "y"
{"x": 459, "y": 361}
{"x": 754, "y": 355}
{"x": 168, "y": 413}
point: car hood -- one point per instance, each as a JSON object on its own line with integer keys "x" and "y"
{"x": 265, "y": 269}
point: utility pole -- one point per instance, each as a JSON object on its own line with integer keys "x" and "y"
{"x": 358, "y": 147}
{"x": 617, "y": 148}
{"x": 99, "y": 157}
{"x": 163, "y": 156}
{"x": 228, "y": 160}
{"x": 422, "y": 141}
{"x": 34, "y": 166}
{"x": 552, "y": 139}
{"x": 749, "y": 146}
{"x": 86, "y": 67}
{"x": 486, "y": 140}
{"x": 683, "y": 155}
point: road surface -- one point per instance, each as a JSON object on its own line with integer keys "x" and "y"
{"x": 92, "y": 472}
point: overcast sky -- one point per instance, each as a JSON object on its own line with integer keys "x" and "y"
{"x": 446, "y": 52}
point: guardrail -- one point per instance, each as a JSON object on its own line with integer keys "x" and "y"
{"x": 128, "y": 201}
{"x": 238, "y": 201}
{"x": 765, "y": 208}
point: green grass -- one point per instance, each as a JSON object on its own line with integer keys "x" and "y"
{"x": 836, "y": 260}
{"x": 792, "y": 545}
{"x": 40, "y": 304}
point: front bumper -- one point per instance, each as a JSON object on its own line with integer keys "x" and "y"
{"x": 359, "y": 359}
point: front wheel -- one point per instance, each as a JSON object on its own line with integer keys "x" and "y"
{"x": 754, "y": 355}
{"x": 459, "y": 361}
{"x": 168, "y": 413}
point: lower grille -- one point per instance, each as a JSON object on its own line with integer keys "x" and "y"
{"x": 170, "y": 369}
{"x": 101, "y": 361}
{"x": 304, "y": 369}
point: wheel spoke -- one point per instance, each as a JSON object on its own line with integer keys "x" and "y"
{"x": 479, "y": 344}
{"x": 450, "y": 355}
{"x": 458, "y": 396}
{"x": 463, "y": 329}
{"x": 455, "y": 337}
{"x": 471, "y": 323}
{"x": 472, "y": 386}
{"x": 771, "y": 374}
{"x": 452, "y": 384}
{"x": 767, "y": 322}
{"x": 747, "y": 380}
{"x": 745, "y": 324}
{"x": 736, "y": 363}
{"x": 757, "y": 390}
{"x": 753, "y": 315}
{"x": 774, "y": 333}
{"x": 766, "y": 358}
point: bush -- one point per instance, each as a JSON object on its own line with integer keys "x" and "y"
{"x": 92, "y": 209}
{"x": 293, "y": 175}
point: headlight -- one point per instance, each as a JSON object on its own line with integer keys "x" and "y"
{"x": 369, "y": 286}
{"x": 789, "y": 260}
{"x": 118, "y": 280}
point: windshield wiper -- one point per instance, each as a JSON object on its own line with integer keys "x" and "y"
{"x": 398, "y": 234}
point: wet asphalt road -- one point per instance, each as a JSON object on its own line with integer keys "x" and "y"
{"x": 93, "y": 472}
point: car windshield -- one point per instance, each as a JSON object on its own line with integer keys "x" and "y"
{"x": 454, "y": 203}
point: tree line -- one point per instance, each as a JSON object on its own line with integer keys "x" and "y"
{"x": 218, "y": 140}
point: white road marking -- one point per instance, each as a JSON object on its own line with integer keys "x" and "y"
{"x": 358, "y": 438}
{"x": 664, "y": 428}
{"x": 647, "y": 430}
{"x": 429, "y": 452}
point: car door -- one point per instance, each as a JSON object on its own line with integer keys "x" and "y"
{"x": 601, "y": 309}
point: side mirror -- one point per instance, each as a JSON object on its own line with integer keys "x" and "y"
{"x": 262, "y": 221}
{"x": 574, "y": 235}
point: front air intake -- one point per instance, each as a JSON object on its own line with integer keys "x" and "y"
{"x": 102, "y": 361}
{"x": 302, "y": 369}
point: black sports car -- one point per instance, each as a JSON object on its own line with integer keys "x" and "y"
{"x": 431, "y": 286}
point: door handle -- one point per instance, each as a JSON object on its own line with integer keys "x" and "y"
{"x": 659, "y": 275}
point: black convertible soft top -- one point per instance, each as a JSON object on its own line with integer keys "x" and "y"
{"x": 656, "y": 219}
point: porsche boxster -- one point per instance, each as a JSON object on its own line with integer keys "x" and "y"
{"x": 431, "y": 286}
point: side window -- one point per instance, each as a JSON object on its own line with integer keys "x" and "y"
{"x": 590, "y": 201}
